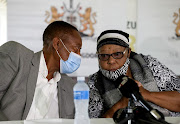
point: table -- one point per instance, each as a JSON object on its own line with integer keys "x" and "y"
{"x": 59, "y": 121}
{"x": 172, "y": 120}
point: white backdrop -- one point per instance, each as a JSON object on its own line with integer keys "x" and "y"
{"x": 156, "y": 35}
{"x": 155, "y": 28}
{"x": 156, "y": 31}
{"x": 3, "y": 21}
{"x": 26, "y": 23}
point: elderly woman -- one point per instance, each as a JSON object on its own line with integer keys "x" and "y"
{"x": 157, "y": 84}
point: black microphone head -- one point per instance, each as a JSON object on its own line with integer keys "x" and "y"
{"x": 126, "y": 85}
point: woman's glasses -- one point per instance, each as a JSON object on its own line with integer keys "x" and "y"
{"x": 116, "y": 55}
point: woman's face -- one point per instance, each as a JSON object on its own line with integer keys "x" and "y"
{"x": 113, "y": 64}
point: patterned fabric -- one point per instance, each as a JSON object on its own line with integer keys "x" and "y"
{"x": 96, "y": 103}
{"x": 164, "y": 79}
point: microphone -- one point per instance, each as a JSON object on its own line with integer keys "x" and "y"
{"x": 130, "y": 89}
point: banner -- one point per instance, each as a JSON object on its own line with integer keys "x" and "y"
{"x": 158, "y": 31}
{"x": 3, "y": 21}
{"x": 28, "y": 19}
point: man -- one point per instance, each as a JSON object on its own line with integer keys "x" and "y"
{"x": 34, "y": 85}
{"x": 157, "y": 84}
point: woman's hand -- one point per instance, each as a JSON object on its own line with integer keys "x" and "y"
{"x": 166, "y": 99}
{"x": 122, "y": 103}
{"x": 145, "y": 93}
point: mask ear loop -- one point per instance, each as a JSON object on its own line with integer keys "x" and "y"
{"x": 58, "y": 54}
{"x": 64, "y": 46}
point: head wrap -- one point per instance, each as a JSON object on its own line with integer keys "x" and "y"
{"x": 116, "y": 37}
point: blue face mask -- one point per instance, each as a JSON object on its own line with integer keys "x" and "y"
{"x": 70, "y": 65}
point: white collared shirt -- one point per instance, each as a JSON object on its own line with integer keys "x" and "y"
{"x": 45, "y": 101}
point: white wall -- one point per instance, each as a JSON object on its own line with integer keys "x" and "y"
{"x": 3, "y": 21}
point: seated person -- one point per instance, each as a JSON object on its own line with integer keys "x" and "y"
{"x": 35, "y": 85}
{"x": 157, "y": 84}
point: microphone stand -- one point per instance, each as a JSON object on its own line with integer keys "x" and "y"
{"x": 130, "y": 111}
{"x": 134, "y": 114}
{"x": 130, "y": 116}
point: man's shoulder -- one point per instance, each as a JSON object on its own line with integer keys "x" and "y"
{"x": 13, "y": 48}
{"x": 13, "y": 45}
